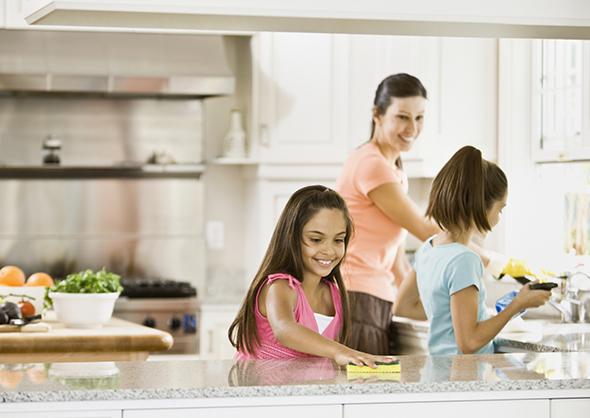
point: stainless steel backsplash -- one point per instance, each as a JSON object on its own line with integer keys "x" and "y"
{"x": 99, "y": 131}
{"x": 135, "y": 227}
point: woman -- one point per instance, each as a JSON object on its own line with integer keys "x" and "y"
{"x": 375, "y": 187}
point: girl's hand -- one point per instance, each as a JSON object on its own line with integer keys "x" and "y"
{"x": 528, "y": 298}
{"x": 350, "y": 356}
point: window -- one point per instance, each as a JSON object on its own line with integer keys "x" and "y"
{"x": 561, "y": 97}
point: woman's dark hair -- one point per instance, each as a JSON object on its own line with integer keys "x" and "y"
{"x": 464, "y": 190}
{"x": 397, "y": 85}
{"x": 284, "y": 256}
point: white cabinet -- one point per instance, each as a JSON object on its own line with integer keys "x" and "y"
{"x": 468, "y": 97}
{"x": 214, "y": 323}
{"x": 470, "y": 409}
{"x": 570, "y": 408}
{"x": 313, "y": 95}
{"x": 290, "y": 411}
{"x": 62, "y": 414}
{"x": 300, "y": 96}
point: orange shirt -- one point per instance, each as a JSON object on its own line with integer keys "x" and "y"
{"x": 376, "y": 239}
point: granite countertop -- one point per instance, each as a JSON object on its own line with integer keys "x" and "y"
{"x": 538, "y": 335}
{"x": 545, "y": 336}
{"x": 198, "y": 379}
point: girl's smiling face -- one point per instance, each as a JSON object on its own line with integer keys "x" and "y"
{"x": 401, "y": 123}
{"x": 322, "y": 244}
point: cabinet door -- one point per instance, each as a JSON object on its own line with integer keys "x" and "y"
{"x": 214, "y": 324}
{"x": 570, "y": 408}
{"x": 479, "y": 409}
{"x": 467, "y": 100}
{"x": 372, "y": 58}
{"x": 324, "y": 411}
{"x": 301, "y": 89}
{"x": 63, "y": 414}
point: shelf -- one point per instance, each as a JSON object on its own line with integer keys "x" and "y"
{"x": 145, "y": 171}
{"x": 233, "y": 161}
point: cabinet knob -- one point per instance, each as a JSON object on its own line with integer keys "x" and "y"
{"x": 175, "y": 323}
{"x": 149, "y": 322}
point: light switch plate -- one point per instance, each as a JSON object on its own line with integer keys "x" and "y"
{"x": 214, "y": 233}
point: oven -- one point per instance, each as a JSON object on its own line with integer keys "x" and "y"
{"x": 167, "y": 305}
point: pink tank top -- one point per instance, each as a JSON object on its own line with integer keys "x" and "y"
{"x": 270, "y": 347}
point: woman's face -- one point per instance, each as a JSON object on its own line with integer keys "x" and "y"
{"x": 322, "y": 246}
{"x": 401, "y": 124}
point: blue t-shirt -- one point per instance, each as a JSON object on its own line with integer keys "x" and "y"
{"x": 441, "y": 271}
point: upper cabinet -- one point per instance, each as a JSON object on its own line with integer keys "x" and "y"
{"x": 313, "y": 95}
{"x": 300, "y": 97}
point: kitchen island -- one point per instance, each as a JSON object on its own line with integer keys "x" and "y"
{"x": 115, "y": 340}
{"x": 542, "y": 385}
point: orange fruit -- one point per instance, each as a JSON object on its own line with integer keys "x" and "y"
{"x": 39, "y": 279}
{"x": 11, "y": 276}
{"x": 10, "y": 379}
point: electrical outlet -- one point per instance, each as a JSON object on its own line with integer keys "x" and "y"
{"x": 214, "y": 233}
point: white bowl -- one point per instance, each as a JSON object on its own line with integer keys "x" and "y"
{"x": 83, "y": 310}
{"x": 37, "y": 292}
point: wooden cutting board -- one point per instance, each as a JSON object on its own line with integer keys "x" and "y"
{"x": 36, "y": 327}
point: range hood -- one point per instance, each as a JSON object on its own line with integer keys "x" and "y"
{"x": 114, "y": 63}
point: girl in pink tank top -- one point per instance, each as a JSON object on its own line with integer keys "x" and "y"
{"x": 297, "y": 306}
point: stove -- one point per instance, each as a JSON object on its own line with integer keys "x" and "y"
{"x": 167, "y": 305}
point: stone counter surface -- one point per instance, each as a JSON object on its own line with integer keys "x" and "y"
{"x": 519, "y": 335}
{"x": 199, "y": 379}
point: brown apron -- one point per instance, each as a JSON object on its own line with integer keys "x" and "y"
{"x": 371, "y": 330}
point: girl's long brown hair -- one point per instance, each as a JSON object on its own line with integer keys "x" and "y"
{"x": 464, "y": 190}
{"x": 284, "y": 256}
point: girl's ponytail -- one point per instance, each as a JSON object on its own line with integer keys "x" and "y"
{"x": 464, "y": 190}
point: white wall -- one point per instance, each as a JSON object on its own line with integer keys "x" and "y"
{"x": 533, "y": 221}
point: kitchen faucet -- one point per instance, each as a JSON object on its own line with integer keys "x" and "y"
{"x": 574, "y": 304}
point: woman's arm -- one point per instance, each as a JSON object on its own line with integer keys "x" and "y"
{"x": 472, "y": 335}
{"x": 392, "y": 200}
{"x": 401, "y": 268}
{"x": 279, "y": 302}
{"x": 408, "y": 303}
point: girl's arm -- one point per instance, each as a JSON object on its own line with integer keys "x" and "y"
{"x": 391, "y": 199}
{"x": 472, "y": 335}
{"x": 280, "y": 304}
{"x": 408, "y": 301}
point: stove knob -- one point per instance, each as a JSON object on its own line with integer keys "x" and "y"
{"x": 149, "y": 322}
{"x": 174, "y": 323}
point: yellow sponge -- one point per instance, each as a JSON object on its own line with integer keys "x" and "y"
{"x": 373, "y": 376}
{"x": 392, "y": 367}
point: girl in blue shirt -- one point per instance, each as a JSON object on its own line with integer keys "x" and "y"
{"x": 467, "y": 195}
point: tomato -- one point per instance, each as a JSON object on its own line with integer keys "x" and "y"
{"x": 26, "y": 308}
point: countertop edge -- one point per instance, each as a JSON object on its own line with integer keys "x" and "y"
{"x": 393, "y": 388}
